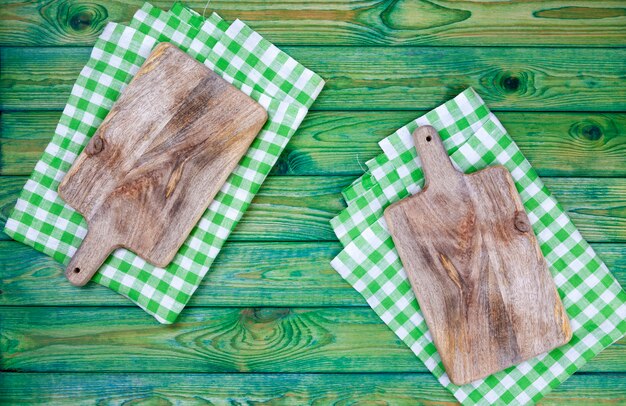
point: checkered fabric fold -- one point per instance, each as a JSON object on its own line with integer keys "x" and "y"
{"x": 284, "y": 87}
{"x": 475, "y": 139}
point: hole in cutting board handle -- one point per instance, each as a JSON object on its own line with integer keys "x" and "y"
{"x": 88, "y": 258}
{"x": 436, "y": 163}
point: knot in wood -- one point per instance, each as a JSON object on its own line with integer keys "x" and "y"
{"x": 592, "y": 132}
{"x": 77, "y": 17}
{"x": 81, "y": 21}
{"x": 264, "y": 315}
{"x": 510, "y": 83}
{"x": 95, "y": 146}
{"x": 521, "y": 222}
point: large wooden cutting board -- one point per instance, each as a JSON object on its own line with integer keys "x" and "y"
{"x": 475, "y": 267}
{"x": 157, "y": 161}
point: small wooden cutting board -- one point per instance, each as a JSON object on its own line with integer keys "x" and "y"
{"x": 158, "y": 159}
{"x": 475, "y": 267}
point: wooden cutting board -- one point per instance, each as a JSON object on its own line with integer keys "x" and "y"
{"x": 475, "y": 267}
{"x": 158, "y": 159}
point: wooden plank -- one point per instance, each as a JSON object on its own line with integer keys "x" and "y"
{"x": 250, "y": 273}
{"x": 517, "y": 79}
{"x": 270, "y": 339}
{"x": 266, "y": 389}
{"x": 339, "y": 143}
{"x": 299, "y": 208}
{"x": 553, "y": 22}
{"x": 255, "y": 274}
{"x": 273, "y": 389}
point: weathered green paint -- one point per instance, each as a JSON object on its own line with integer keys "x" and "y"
{"x": 278, "y": 339}
{"x": 339, "y": 143}
{"x": 407, "y": 78}
{"x": 353, "y": 22}
{"x": 274, "y": 389}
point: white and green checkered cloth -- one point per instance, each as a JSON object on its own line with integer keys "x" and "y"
{"x": 284, "y": 87}
{"x": 475, "y": 139}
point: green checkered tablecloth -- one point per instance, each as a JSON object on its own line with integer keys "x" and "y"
{"x": 475, "y": 139}
{"x": 284, "y": 87}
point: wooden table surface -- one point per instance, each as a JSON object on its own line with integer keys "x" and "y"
{"x": 272, "y": 321}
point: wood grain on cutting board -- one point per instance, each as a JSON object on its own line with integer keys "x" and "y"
{"x": 157, "y": 160}
{"x": 475, "y": 266}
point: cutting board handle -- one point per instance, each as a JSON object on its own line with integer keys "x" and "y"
{"x": 436, "y": 163}
{"x": 87, "y": 260}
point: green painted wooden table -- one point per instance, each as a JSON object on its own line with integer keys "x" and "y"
{"x": 272, "y": 322}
